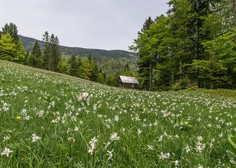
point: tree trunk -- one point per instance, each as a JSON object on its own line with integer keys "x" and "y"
{"x": 197, "y": 31}
{"x": 234, "y": 12}
{"x": 150, "y": 75}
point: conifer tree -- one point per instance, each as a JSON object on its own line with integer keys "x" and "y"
{"x": 51, "y": 53}
{"x": 55, "y": 55}
{"x": 145, "y": 61}
{"x": 86, "y": 69}
{"x": 127, "y": 70}
{"x": 11, "y": 28}
{"x": 94, "y": 69}
{"x": 35, "y": 59}
{"x": 8, "y": 49}
{"x": 234, "y": 14}
{"x": 46, "y": 51}
{"x": 100, "y": 78}
{"x": 74, "y": 66}
{"x": 20, "y": 52}
{"x": 10, "y": 32}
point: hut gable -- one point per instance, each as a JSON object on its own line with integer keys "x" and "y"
{"x": 128, "y": 81}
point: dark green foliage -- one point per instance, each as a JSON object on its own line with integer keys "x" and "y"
{"x": 145, "y": 53}
{"x": 46, "y": 51}
{"x": 208, "y": 73}
{"x": 100, "y": 78}
{"x": 55, "y": 52}
{"x": 74, "y": 66}
{"x": 85, "y": 68}
{"x": 52, "y": 52}
{"x": 35, "y": 59}
{"x": 163, "y": 76}
{"x": 12, "y": 30}
{"x": 194, "y": 46}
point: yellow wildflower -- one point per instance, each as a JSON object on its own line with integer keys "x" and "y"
{"x": 18, "y": 117}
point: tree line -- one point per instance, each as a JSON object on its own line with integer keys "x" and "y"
{"x": 50, "y": 57}
{"x": 194, "y": 45}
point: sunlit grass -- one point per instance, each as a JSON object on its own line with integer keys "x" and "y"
{"x": 44, "y": 125}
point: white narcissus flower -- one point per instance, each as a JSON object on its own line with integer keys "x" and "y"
{"x": 150, "y": 147}
{"x": 6, "y": 138}
{"x": 116, "y": 118}
{"x": 164, "y": 156}
{"x": 35, "y": 138}
{"x": 76, "y": 129}
{"x": 199, "y": 138}
{"x": 139, "y": 131}
{"x": 176, "y": 163}
{"x": 110, "y": 154}
{"x": 92, "y": 147}
{"x": 114, "y": 137}
{"x": 6, "y": 151}
{"x": 187, "y": 149}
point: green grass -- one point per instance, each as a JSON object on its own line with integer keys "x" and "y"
{"x": 220, "y": 92}
{"x": 116, "y": 128}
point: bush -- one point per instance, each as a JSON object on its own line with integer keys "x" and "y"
{"x": 176, "y": 86}
{"x": 192, "y": 86}
{"x": 181, "y": 84}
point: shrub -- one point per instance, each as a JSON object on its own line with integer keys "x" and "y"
{"x": 181, "y": 84}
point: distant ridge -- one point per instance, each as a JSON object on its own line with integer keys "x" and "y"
{"x": 28, "y": 44}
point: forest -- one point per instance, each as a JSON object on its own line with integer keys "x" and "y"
{"x": 110, "y": 61}
{"x": 192, "y": 46}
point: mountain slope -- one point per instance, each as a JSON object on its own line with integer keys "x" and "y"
{"x": 28, "y": 43}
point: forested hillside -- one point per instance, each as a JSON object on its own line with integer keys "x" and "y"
{"x": 96, "y": 65}
{"x": 28, "y": 43}
{"x": 109, "y": 60}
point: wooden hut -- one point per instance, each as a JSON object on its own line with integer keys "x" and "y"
{"x": 128, "y": 81}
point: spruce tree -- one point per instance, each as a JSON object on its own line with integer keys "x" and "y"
{"x": 145, "y": 61}
{"x": 52, "y": 52}
{"x": 35, "y": 59}
{"x": 11, "y": 30}
{"x": 74, "y": 66}
{"x": 86, "y": 69}
{"x": 46, "y": 51}
{"x": 55, "y": 52}
{"x": 234, "y": 14}
{"x": 8, "y": 49}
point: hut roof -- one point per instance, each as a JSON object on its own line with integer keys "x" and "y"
{"x": 129, "y": 79}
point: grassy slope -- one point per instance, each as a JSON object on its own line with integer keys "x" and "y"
{"x": 220, "y": 92}
{"x": 154, "y": 129}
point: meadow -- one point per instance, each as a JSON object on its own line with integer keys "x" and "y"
{"x": 43, "y": 124}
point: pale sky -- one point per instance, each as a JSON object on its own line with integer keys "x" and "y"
{"x": 100, "y": 24}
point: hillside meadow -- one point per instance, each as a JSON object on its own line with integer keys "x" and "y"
{"x": 43, "y": 124}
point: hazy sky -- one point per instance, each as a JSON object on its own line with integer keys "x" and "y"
{"x": 101, "y": 24}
